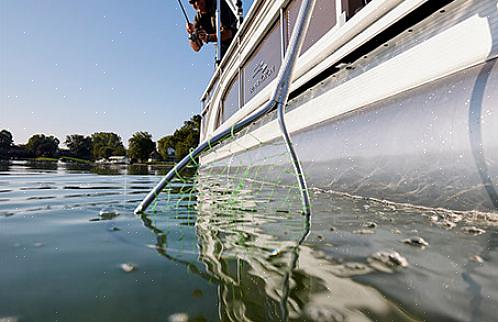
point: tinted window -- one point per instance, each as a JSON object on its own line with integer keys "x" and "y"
{"x": 263, "y": 65}
{"x": 231, "y": 100}
{"x": 322, "y": 20}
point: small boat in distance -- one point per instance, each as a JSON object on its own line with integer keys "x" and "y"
{"x": 390, "y": 100}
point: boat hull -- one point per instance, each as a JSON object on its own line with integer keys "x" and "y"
{"x": 434, "y": 146}
{"x": 414, "y": 121}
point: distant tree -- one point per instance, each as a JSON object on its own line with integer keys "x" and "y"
{"x": 140, "y": 146}
{"x": 43, "y": 146}
{"x": 105, "y": 152}
{"x": 165, "y": 146}
{"x": 20, "y": 152}
{"x": 183, "y": 140}
{"x": 4, "y": 153}
{"x": 106, "y": 144}
{"x": 5, "y": 144}
{"x": 79, "y": 146}
{"x": 187, "y": 137}
{"x": 6, "y": 139}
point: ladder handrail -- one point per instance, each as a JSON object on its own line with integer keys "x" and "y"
{"x": 279, "y": 99}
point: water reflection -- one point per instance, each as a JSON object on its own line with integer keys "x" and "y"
{"x": 4, "y": 166}
{"x": 264, "y": 268}
{"x": 271, "y": 275}
{"x": 108, "y": 170}
{"x": 250, "y": 241}
{"x": 41, "y": 165}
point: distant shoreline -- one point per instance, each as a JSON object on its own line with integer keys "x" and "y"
{"x": 73, "y": 160}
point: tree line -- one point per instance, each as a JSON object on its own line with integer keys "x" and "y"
{"x": 101, "y": 145}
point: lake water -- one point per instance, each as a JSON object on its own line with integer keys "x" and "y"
{"x": 71, "y": 249}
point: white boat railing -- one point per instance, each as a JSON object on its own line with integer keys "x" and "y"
{"x": 332, "y": 26}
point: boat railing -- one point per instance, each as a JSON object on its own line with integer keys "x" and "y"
{"x": 252, "y": 61}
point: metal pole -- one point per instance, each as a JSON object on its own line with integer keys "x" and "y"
{"x": 282, "y": 93}
{"x": 279, "y": 97}
{"x": 218, "y": 30}
{"x": 240, "y": 13}
{"x": 183, "y": 10}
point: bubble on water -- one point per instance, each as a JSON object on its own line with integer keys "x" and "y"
{"x": 416, "y": 241}
{"x": 128, "y": 267}
{"x": 108, "y": 214}
{"x": 387, "y": 261}
{"x": 370, "y": 224}
{"x": 472, "y": 230}
{"x": 178, "y": 317}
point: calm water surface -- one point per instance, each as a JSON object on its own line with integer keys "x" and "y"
{"x": 72, "y": 250}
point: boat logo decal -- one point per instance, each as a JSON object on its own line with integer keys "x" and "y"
{"x": 261, "y": 73}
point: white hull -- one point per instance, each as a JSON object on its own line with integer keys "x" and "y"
{"x": 414, "y": 120}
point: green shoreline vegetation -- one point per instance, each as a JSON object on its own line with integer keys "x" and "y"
{"x": 104, "y": 147}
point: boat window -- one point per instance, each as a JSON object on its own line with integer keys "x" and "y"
{"x": 263, "y": 65}
{"x": 213, "y": 88}
{"x": 231, "y": 100}
{"x": 351, "y": 7}
{"x": 204, "y": 121}
{"x": 322, "y": 20}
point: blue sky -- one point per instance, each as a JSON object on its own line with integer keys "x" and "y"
{"x": 82, "y": 66}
